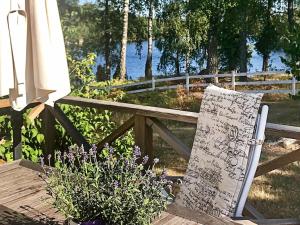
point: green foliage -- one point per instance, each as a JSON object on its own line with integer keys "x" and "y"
{"x": 111, "y": 188}
{"x": 92, "y": 123}
{"x": 97, "y": 27}
{"x": 32, "y": 139}
{"x": 183, "y": 31}
{"x": 292, "y": 49}
{"x": 181, "y": 35}
{"x": 6, "y": 138}
{"x": 268, "y": 36}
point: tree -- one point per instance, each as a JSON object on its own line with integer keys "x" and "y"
{"x": 214, "y": 11}
{"x": 70, "y": 15}
{"x": 124, "y": 41}
{"x": 243, "y": 6}
{"x": 291, "y": 37}
{"x": 267, "y": 39}
{"x": 231, "y": 51}
{"x": 239, "y": 25}
{"x": 107, "y": 42}
{"x": 181, "y": 35}
{"x": 290, "y": 12}
{"x": 170, "y": 36}
{"x": 148, "y": 67}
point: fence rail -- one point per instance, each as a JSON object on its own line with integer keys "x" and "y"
{"x": 156, "y": 84}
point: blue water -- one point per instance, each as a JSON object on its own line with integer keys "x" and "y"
{"x": 136, "y": 64}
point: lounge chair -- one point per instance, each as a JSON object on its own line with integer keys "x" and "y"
{"x": 225, "y": 153}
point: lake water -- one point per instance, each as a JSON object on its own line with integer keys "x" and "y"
{"x": 136, "y": 64}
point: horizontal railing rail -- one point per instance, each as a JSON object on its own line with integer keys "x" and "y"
{"x": 162, "y": 84}
{"x": 168, "y": 114}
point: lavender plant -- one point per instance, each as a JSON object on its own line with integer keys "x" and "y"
{"x": 108, "y": 187}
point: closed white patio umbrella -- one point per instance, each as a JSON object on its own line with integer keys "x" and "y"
{"x": 33, "y": 65}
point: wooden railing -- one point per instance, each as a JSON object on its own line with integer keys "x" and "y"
{"x": 144, "y": 120}
{"x": 188, "y": 81}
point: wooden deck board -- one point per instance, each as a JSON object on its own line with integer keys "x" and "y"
{"x": 18, "y": 186}
{"x": 8, "y": 170}
{"x": 24, "y": 201}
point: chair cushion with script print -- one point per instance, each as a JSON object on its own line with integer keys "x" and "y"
{"x": 219, "y": 157}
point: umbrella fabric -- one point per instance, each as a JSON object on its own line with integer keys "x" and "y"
{"x": 33, "y": 65}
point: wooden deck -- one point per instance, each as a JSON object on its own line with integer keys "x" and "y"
{"x": 24, "y": 201}
{"x": 21, "y": 190}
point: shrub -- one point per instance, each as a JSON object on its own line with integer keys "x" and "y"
{"x": 32, "y": 139}
{"x": 108, "y": 187}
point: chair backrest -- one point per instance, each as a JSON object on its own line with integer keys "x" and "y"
{"x": 219, "y": 163}
{"x": 253, "y": 159}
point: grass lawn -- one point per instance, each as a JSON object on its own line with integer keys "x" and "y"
{"x": 275, "y": 195}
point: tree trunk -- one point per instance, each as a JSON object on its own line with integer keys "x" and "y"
{"x": 266, "y": 54}
{"x": 243, "y": 53}
{"x": 290, "y": 12}
{"x": 177, "y": 64}
{"x": 148, "y": 68}
{"x": 265, "y": 66}
{"x": 187, "y": 63}
{"x": 243, "y": 44}
{"x": 212, "y": 54}
{"x": 188, "y": 56}
{"x": 100, "y": 73}
{"x": 117, "y": 72}
{"x": 124, "y": 41}
{"x": 107, "y": 45}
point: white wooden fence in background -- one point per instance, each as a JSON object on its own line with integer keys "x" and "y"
{"x": 164, "y": 85}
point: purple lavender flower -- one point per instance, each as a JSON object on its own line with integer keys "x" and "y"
{"x": 116, "y": 184}
{"x": 85, "y": 157}
{"x": 58, "y": 156}
{"x": 42, "y": 161}
{"x": 81, "y": 150}
{"x": 106, "y": 145}
{"x": 164, "y": 174}
{"x": 150, "y": 173}
{"x": 137, "y": 152}
{"x": 49, "y": 159}
{"x": 71, "y": 157}
{"x": 126, "y": 162}
{"x": 156, "y": 160}
{"x": 94, "y": 147}
{"x": 169, "y": 186}
{"x": 65, "y": 156}
{"x": 111, "y": 150}
{"x": 91, "y": 152}
{"x": 71, "y": 149}
{"x": 145, "y": 160}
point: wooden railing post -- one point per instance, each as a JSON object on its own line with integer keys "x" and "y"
{"x": 187, "y": 82}
{"x": 48, "y": 129}
{"x": 143, "y": 136}
{"x": 216, "y": 78}
{"x": 294, "y": 81}
{"x": 153, "y": 83}
{"x": 233, "y": 80}
{"x": 17, "y": 123}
